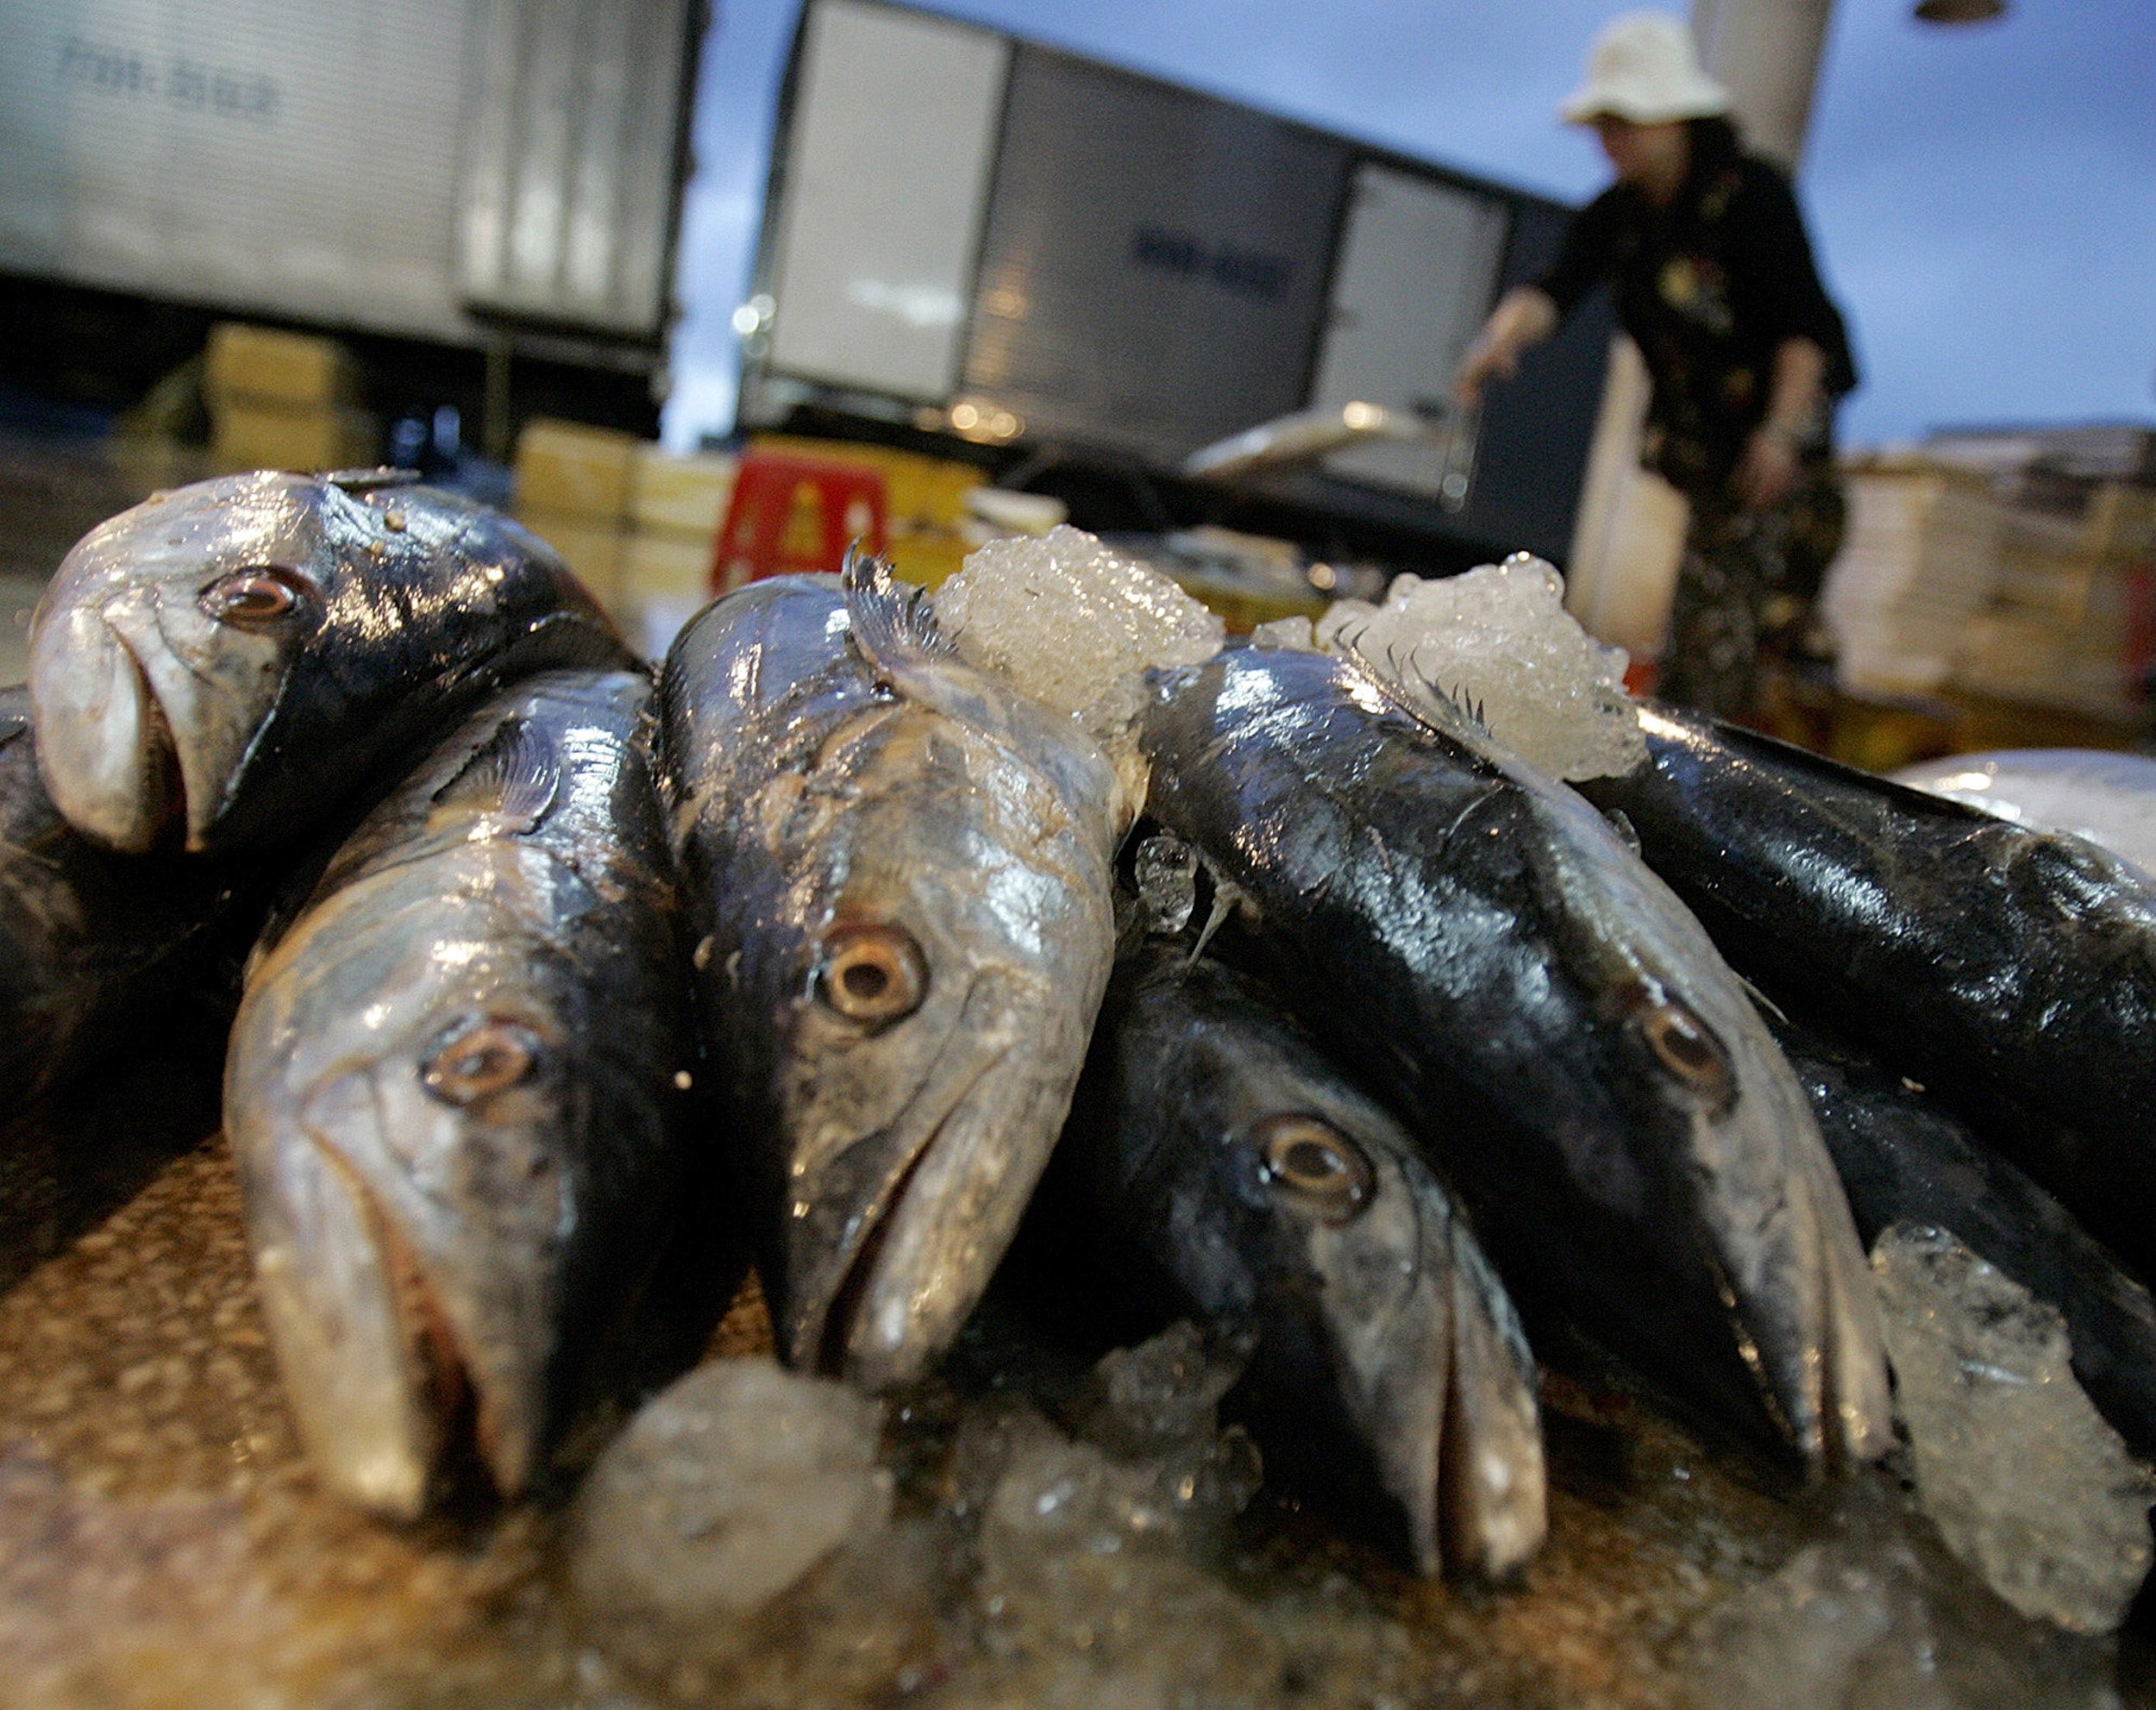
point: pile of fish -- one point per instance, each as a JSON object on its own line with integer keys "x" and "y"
{"x": 1313, "y": 1012}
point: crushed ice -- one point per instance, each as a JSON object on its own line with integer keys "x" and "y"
{"x": 1071, "y": 619}
{"x": 1498, "y": 642}
{"x": 1876, "y": 1615}
{"x": 2023, "y": 1476}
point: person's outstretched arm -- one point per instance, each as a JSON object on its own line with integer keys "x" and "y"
{"x": 1525, "y": 316}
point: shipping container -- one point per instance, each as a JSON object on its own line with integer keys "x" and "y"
{"x": 972, "y": 233}
{"x": 422, "y": 168}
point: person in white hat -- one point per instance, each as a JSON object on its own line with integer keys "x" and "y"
{"x": 1706, "y": 256}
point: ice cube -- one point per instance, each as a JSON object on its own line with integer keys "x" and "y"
{"x": 725, "y": 1490}
{"x": 1167, "y": 873}
{"x": 1295, "y": 635}
{"x": 2023, "y": 1476}
{"x": 1877, "y": 1616}
{"x": 1068, "y": 618}
{"x": 1498, "y": 642}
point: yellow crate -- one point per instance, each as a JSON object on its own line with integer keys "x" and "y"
{"x": 1242, "y": 605}
{"x": 666, "y": 562}
{"x": 666, "y": 580}
{"x": 681, "y": 494}
{"x": 268, "y": 364}
{"x": 920, "y": 492}
{"x": 594, "y": 550}
{"x": 567, "y": 469}
{"x": 2121, "y": 521}
{"x": 929, "y": 556}
{"x": 247, "y": 435}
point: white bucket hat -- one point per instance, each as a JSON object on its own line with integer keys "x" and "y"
{"x": 1644, "y": 67}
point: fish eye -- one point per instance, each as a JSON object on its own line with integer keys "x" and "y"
{"x": 1315, "y": 1164}
{"x": 1682, "y": 1044}
{"x": 254, "y": 598}
{"x": 479, "y": 1058}
{"x": 872, "y": 973}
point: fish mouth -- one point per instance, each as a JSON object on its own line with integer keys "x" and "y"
{"x": 880, "y": 1305}
{"x": 1797, "y": 1295}
{"x": 1492, "y": 1486}
{"x": 387, "y": 1392}
{"x": 106, "y": 750}
{"x": 1449, "y": 1420}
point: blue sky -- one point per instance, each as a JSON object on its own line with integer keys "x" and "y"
{"x": 1984, "y": 199}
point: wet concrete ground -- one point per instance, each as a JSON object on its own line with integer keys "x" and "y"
{"x": 162, "y": 1543}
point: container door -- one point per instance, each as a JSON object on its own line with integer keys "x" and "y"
{"x": 1416, "y": 274}
{"x": 1152, "y": 275}
{"x": 885, "y": 171}
{"x": 571, "y": 175}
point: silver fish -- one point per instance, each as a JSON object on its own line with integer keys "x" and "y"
{"x": 89, "y": 939}
{"x": 1222, "y": 1168}
{"x": 1547, "y": 1019}
{"x": 232, "y": 656}
{"x": 900, "y": 872}
{"x": 452, "y": 1092}
{"x": 2011, "y": 969}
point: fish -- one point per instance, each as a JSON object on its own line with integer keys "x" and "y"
{"x": 1224, "y": 1170}
{"x": 2107, "y": 798}
{"x": 219, "y": 665}
{"x": 1905, "y": 1158}
{"x": 91, "y": 940}
{"x": 455, "y": 1093}
{"x": 2010, "y": 969}
{"x": 898, "y": 875}
{"x": 1548, "y": 1021}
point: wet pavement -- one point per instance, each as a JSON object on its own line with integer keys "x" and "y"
{"x": 161, "y": 1543}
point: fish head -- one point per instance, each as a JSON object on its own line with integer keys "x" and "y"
{"x": 1752, "y": 1204}
{"x": 1372, "y": 1302}
{"x": 164, "y": 642}
{"x": 413, "y": 1197}
{"x": 936, "y": 1015}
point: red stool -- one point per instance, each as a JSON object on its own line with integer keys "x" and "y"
{"x": 768, "y": 486}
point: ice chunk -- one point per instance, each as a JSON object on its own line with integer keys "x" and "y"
{"x": 1295, "y": 635}
{"x": 724, "y": 1491}
{"x": 1167, "y": 873}
{"x": 1499, "y": 643}
{"x": 1070, "y": 620}
{"x": 2023, "y": 1476}
{"x": 1877, "y": 1616}
{"x": 1099, "y": 1580}
{"x": 1163, "y": 1394}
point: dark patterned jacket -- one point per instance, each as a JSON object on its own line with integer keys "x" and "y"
{"x": 1707, "y": 287}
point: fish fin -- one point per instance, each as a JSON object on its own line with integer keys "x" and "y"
{"x": 509, "y": 780}
{"x": 1227, "y": 896}
{"x": 893, "y": 623}
{"x": 895, "y": 631}
{"x": 1761, "y": 1000}
{"x": 1408, "y": 690}
{"x": 1621, "y": 822}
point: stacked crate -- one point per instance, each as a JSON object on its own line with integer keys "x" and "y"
{"x": 2068, "y": 623}
{"x": 1918, "y": 563}
{"x": 676, "y": 503}
{"x": 283, "y": 400}
{"x": 573, "y": 485}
